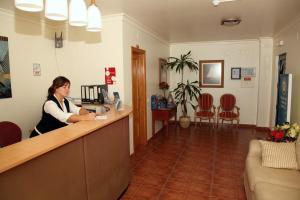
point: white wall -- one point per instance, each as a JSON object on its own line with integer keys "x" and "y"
{"x": 30, "y": 41}
{"x": 137, "y": 34}
{"x": 85, "y": 55}
{"x": 265, "y": 82}
{"x": 290, "y": 35}
{"x": 244, "y": 53}
{"x": 82, "y": 59}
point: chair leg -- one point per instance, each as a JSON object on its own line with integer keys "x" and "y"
{"x": 214, "y": 122}
{"x": 238, "y": 123}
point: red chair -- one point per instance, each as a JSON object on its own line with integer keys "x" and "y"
{"x": 9, "y": 133}
{"x": 227, "y": 108}
{"x": 205, "y": 110}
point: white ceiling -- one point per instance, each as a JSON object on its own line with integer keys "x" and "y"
{"x": 198, "y": 20}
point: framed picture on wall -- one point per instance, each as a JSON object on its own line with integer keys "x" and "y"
{"x": 236, "y": 73}
{"x": 163, "y": 70}
{"x": 5, "y": 82}
{"x": 211, "y": 73}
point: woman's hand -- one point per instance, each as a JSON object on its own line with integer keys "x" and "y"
{"x": 86, "y": 117}
{"x": 89, "y": 116}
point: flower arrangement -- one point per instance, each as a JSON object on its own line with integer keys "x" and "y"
{"x": 285, "y": 132}
{"x": 164, "y": 86}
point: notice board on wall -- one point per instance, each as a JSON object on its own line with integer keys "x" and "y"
{"x": 248, "y": 75}
{"x": 110, "y": 75}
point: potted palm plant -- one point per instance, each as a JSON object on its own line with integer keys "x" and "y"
{"x": 185, "y": 93}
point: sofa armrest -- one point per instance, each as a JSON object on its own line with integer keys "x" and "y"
{"x": 254, "y": 149}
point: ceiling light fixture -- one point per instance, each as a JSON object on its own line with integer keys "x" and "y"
{"x": 94, "y": 18}
{"x": 78, "y": 13}
{"x": 231, "y": 22}
{"x": 217, "y": 2}
{"x": 56, "y": 10}
{"x": 30, "y": 5}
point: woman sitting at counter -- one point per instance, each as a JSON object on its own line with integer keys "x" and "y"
{"x": 58, "y": 111}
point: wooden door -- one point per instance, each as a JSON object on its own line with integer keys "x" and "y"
{"x": 139, "y": 96}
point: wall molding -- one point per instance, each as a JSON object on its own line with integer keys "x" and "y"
{"x": 26, "y": 18}
{"x": 289, "y": 25}
{"x": 145, "y": 29}
{"x": 223, "y": 42}
{"x": 106, "y": 18}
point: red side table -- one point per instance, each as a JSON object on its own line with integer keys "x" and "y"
{"x": 164, "y": 115}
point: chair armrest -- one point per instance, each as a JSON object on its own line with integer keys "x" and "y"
{"x": 196, "y": 108}
{"x": 218, "y": 109}
{"x": 238, "y": 110}
{"x": 214, "y": 109}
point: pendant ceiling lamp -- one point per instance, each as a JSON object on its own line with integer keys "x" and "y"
{"x": 56, "y": 10}
{"x": 94, "y": 18}
{"x": 30, "y": 5}
{"x": 77, "y": 13}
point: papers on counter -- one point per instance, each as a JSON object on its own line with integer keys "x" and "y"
{"x": 102, "y": 117}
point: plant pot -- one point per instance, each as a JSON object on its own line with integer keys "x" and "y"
{"x": 185, "y": 121}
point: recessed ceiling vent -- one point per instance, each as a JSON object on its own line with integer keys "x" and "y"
{"x": 231, "y": 22}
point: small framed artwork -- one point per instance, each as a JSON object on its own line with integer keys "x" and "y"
{"x": 211, "y": 73}
{"x": 236, "y": 73}
{"x": 163, "y": 75}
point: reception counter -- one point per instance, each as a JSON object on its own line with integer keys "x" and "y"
{"x": 87, "y": 160}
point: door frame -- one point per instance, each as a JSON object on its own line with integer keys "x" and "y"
{"x": 143, "y": 99}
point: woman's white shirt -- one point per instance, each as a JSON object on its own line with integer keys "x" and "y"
{"x": 51, "y": 108}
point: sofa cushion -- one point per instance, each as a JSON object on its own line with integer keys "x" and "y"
{"x": 298, "y": 151}
{"x": 268, "y": 191}
{"x": 256, "y": 173}
{"x": 279, "y": 155}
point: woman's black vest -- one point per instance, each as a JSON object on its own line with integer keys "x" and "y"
{"x": 48, "y": 122}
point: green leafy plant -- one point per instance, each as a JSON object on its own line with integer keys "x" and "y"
{"x": 180, "y": 64}
{"x": 185, "y": 93}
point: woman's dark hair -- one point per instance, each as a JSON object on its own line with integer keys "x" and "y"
{"x": 57, "y": 82}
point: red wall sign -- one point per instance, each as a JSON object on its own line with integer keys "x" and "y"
{"x": 110, "y": 75}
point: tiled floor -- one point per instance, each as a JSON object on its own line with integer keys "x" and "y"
{"x": 191, "y": 164}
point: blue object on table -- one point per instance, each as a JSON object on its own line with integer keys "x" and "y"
{"x": 154, "y": 102}
{"x": 171, "y": 105}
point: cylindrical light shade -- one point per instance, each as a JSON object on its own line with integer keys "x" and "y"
{"x": 56, "y": 9}
{"x": 30, "y": 5}
{"x": 77, "y": 13}
{"x": 94, "y": 19}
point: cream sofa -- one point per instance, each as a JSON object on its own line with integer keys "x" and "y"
{"x": 263, "y": 183}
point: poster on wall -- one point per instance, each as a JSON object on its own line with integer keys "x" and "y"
{"x": 284, "y": 99}
{"x": 248, "y": 72}
{"x": 110, "y": 75}
{"x": 5, "y": 83}
{"x": 248, "y": 77}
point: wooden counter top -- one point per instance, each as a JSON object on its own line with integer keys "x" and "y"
{"x": 16, "y": 154}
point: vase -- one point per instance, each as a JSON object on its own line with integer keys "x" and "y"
{"x": 185, "y": 121}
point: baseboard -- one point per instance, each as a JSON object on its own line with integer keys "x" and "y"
{"x": 247, "y": 126}
{"x": 258, "y": 128}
